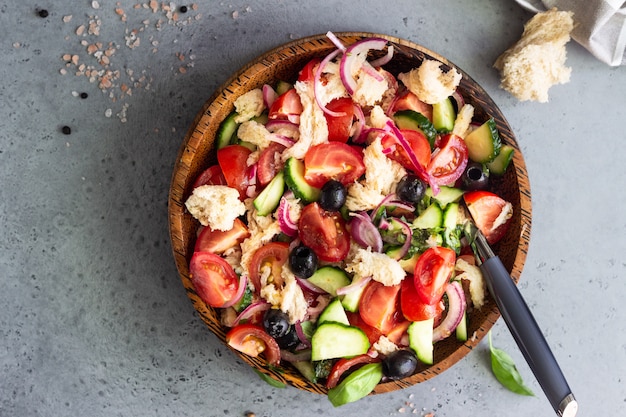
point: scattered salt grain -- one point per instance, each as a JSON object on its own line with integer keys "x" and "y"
{"x": 95, "y": 4}
{"x": 108, "y": 113}
{"x": 67, "y": 19}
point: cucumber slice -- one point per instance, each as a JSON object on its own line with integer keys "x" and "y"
{"x": 451, "y": 234}
{"x": 446, "y": 195}
{"x": 444, "y": 116}
{"x": 334, "y": 312}
{"x": 268, "y": 200}
{"x": 410, "y": 119}
{"x": 421, "y": 339}
{"x": 330, "y": 278}
{"x": 451, "y": 215}
{"x": 351, "y": 300}
{"x": 283, "y": 87}
{"x": 461, "y": 329}
{"x": 306, "y": 369}
{"x": 335, "y": 340}
{"x": 483, "y": 143}
{"x": 294, "y": 177}
{"x": 501, "y": 162}
{"x": 430, "y": 218}
{"x": 227, "y": 132}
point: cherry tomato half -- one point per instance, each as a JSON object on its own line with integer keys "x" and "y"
{"x": 286, "y": 106}
{"x": 307, "y": 73}
{"x": 449, "y": 162}
{"x": 378, "y": 306}
{"x": 268, "y": 165}
{"x": 418, "y": 142}
{"x": 332, "y": 161}
{"x": 345, "y": 364}
{"x": 339, "y": 127}
{"x": 254, "y": 340}
{"x": 211, "y": 176}
{"x": 233, "y": 161}
{"x": 213, "y": 278}
{"x": 217, "y": 241}
{"x": 324, "y": 232}
{"x": 486, "y": 208}
{"x": 275, "y": 254}
{"x": 413, "y": 308}
{"x": 409, "y": 101}
{"x": 432, "y": 272}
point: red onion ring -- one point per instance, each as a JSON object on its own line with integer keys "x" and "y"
{"x": 243, "y": 283}
{"x": 335, "y": 40}
{"x": 456, "y": 309}
{"x": 251, "y": 310}
{"x": 303, "y": 339}
{"x": 269, "y": 95}
{"x": 273, "y": 125}
{"x": 282, "y": 139}
{"x": 350, "y": 56}
{"x": 285, "y": 222}
{"x": 305, "y": 284}
{"x": 317, "y": 83}
{"x": 365, "y": 233}
{"x": 383, "y": 60}
{"x": 390, "y": 201}
{"x": 356, "y": 285}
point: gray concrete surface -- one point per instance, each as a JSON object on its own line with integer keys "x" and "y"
{"x": 93, "y": 318}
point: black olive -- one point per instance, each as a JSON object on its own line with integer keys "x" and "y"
{"x": 276, "y": 323}
{"x": 289, "y": 340}
{"x": 475, "y": 177}
{"x": 411, "y": 189}
{"x": 400, "y": 364}
{"x": 332, "y": 195}
{"x": 303, "y": 261}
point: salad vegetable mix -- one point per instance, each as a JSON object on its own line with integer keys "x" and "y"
{"x": 332, "y": 236}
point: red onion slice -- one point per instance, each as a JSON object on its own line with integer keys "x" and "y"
{"x": 350, "y": 58}
{"x": 356, "y": 285}
{"x": 251, "y": 310}
{"x": 274, "y": 125}
{"x": 456, "y": 309}
{"x": 383, "y": 60}
{"x": 317, "y": 83}
{"x": 408, "y": 232}
{"x": 285, "y": 222}
{"x": 301, "y": 336}
{"x": 305, "y": 284}
{"x": 269, "y": 95}
{"x": 243, "y": 282}
{"x": 458, "y": 98}
{"x": 365, "y": 233}
{"x": 335, "y": 40}
{"x": 390, "y": 201}
{"x": 282, "y": 139}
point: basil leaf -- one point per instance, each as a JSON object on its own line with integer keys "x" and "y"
{"x": 356, "y": 385}
{"x": 270, "y": 380}
{"x": 506, "y": 372}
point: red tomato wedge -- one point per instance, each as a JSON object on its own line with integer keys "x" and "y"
{"x": 432, "y": 272}
{"x": 339, "y": 127}
{"x": 344, "y": 364}
{"x": 269, "y": 164}
{"x": 217, "y": 241}
{"x": 274, "y": 254}
{"x": 372, "y": 333}
{"x": 307, "y": 73}
{"x": 409, "y": 101}
{"x": 413, "y": 308}
{"x": 233, "y": 161}
{"x": 378, "y": 306}
{"x": 449, "y": 162}
{"x": 213, "y": 278}
{"x": 253, "y": 340}
{"x": 324, "y": 232}
{"x": 418, "y": 142}
{"x": 213, "y": 175}
{"x": 332, "y": 161}
{"x": 286, "y": 106}
{"x": 491, "y": 213}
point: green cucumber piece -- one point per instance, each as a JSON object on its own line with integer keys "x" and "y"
{"x": 444, "y": 116}
{"x": 227, "y": 132}
{"x": 461, "y": 329}
{"x": 483, "y": 143}
{"x": 283, "y": 87}
{"x": 294, "y": 177}
{"x": 501, "y": 162}
{"x": 307, "y": 370}
{"x": 350, "y": 301}
{"x": 334, "y": 312}
{"x": 430, "y": 218}
{"x": 268, "y": 200}
{"x": 330, "y": 279}
{"x": 407, "y": 264}
{"x": 446, "y": 195}
{"x": 356, "y": 385}
{"x": 451, "y": 233}
{"x": 335, "y": 340}
{"x": 421, "y": 339}
{"x": 410, "y": 119}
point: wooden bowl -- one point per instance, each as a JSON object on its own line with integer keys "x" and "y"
{"x": 282, "y": 63}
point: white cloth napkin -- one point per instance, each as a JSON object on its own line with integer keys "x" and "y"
{"x": 600, "y": 25}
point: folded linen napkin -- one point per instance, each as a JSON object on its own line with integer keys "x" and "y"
{"x": 600, "y": 25}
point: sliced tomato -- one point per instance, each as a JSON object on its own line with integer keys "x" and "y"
{"x": 449, "y": 161}
{"x": 332, "y": 161}
{"x": 274, "y": 254}
{"x": 217, "y": 241}
{"x": 409, "y": 101}
{"x": 287, "y": 106}
{"x": 378, "y": 306}
{"x": 254, "y": 340}
{"x": 491, "y": 213}
{"x": 233, "y": 161}
{"x": 413, "y": 308}
{"x": 398, "y": 335}
{"x": 213, "y": 175}
{"x": 372, "y": 333}
{"x": 418, "y": 142}
{"x": 307, "y": 73}
{"x": 339, "y": 127}
{"x": 269, "y": 165}
{"x": 345, "y": 364}
{"x": 215, "y": 281}
{"x": 432, "y": 272}
{"x": 324, "y": 232}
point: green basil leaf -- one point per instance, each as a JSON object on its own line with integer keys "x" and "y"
{"x": 506, "y": 372}
{"x": 356, "y": 385}
{"x": 270, "y": 380}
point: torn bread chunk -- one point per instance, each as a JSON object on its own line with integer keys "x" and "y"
{"x": 537, "y": 61}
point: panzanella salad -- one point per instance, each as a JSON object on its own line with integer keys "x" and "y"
{"x": 331, "y": 233}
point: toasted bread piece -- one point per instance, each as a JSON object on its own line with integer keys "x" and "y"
{"x": 537, "y": 61}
